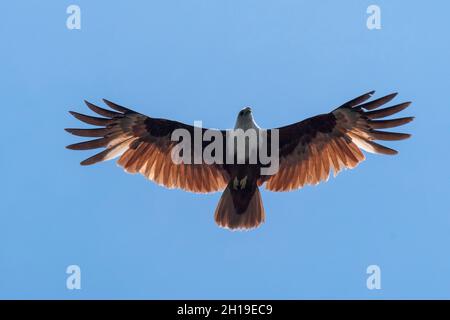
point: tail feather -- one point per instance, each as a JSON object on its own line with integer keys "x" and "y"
{"x": 227, "y": 216}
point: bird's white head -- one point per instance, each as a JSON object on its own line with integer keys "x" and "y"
{"x": 245, "y": 119}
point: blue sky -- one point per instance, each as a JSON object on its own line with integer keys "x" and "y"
{"x": 205, "y": 60}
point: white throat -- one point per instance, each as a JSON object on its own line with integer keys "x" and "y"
{"x": 245, "y": 122}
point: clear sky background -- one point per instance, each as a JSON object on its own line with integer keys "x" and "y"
{"x": 205, "y": 60}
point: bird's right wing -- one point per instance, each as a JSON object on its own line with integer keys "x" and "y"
{"x": 310, "y": 149}
{"x": 144, "y": 145}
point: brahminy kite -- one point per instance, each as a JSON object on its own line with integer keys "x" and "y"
{"x": 306, "y": 152}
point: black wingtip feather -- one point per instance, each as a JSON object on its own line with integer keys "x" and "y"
{"x": 96, "y": 121}
{"x": 385, "y": 124}
{"x": 358, "y": 100}
{"x": 101, "y": 111}
{"x": 87, "y": 162}
{"x": 90, "y": 144}
{"x": 115, "y": 106}
{"x": 388, "y": 136}
{"x": 385, "y": 112}
{"x": 95, "y": 132}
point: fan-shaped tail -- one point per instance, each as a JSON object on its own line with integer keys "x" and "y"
{"x": 240, "y": 209}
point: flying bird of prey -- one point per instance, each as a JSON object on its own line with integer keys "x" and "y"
{"x": 308, "y": 151}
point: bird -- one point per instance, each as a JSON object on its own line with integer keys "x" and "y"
{"x": 307, "y": 151}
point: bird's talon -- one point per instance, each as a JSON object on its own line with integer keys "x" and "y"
{"x": 235, "y": 183}
{"x": 243, "y": 182}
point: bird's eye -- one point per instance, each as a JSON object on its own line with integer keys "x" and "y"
{"x": 241, "y": 113}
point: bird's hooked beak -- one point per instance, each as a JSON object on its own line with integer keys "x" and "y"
{"x": 245, "y": 111}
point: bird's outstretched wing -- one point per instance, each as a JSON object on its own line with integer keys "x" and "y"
{"x": 144, "y": 145}
{"x": 310, "y": 149}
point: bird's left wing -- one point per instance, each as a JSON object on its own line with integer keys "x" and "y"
{"x": 145, "y": 146}
{"x": 310, "y": 149}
